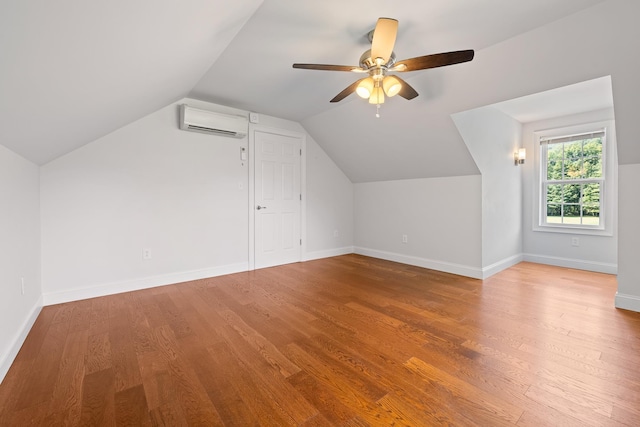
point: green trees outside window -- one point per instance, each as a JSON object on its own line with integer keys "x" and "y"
{"x": 573, "y": 168}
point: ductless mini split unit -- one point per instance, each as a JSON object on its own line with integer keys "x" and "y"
{"x": 203, "y": 121}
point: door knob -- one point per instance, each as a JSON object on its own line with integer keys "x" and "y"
{"x": 260, "y": 207}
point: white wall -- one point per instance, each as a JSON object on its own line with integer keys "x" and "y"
{"x": 628, "y": 295}
{"x": 440, "y": 216}
{"x": 492, "y": 137}
{"x": 19, "y": 253}
{"x": 595, "y": 253}
{"x": 147, "y": 185}
{"x": 330, "y": 212}
{"x": 183, "y": 195}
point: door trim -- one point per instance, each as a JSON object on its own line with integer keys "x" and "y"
{"x": 253, "y": 128}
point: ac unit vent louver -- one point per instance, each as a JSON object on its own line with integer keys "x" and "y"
{"x": 203, "y": 121}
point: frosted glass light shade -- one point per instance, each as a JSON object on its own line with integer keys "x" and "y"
{"x": 377, "y": 96}
{"x": 391, "y": 85}
{"x": 365, "y": 88}
{"x": 522, "y": 154}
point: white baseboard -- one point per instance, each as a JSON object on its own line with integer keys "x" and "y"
{"x": 310, "y": 256}
{"x": 497, "y": 267}
{"x": 447, "y": 267}
{"x": 138, "y": 284}
{"x": 578, "y": 264}
{"x": 8, "y": 358}
{"x": 627, "y": 302}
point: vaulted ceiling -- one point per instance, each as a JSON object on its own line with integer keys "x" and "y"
{"x": 74, "y": 71}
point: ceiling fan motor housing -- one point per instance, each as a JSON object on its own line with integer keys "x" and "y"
{"x": 367, "y": 62}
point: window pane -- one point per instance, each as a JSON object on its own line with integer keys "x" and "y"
{"x": 554, "y": 193}
{"x": 571, "y": 214}
{"x": 593, "y": 158}
{"x": 592, "y": 147}
{"x": 591, "y": 215}
{"x": 573, "y": 168}
{"x": 554, "y": 161}
{"x": 554, "y": 213}
{"x": 591, "y": 194}
{"x": 593, "y": 167}
{"x": 573, "y": 149}
{"x": 571, "y": 193}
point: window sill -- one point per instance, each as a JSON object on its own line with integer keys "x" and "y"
{"x": 573, "y": 230}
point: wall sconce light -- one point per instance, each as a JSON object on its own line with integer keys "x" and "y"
{"x": 520, "y": 156}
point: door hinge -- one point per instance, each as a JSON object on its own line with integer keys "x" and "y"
{"x": 300, "y": 242}
{"x": 301, "y": 151}
{"x": 300, "y": 197}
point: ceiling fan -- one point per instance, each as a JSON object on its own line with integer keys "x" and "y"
{"x": 380, "y": 61}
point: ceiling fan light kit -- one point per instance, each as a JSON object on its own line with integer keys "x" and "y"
{"x": 391, "y": 85}
{"x": 377, "y": 96}
{"x": 365, "y": 88}
{"x": 380, "y": 60}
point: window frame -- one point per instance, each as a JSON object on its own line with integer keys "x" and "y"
{"x": 608, "y": 188}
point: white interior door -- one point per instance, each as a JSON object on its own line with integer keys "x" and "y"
{"x": 277, "y": 199}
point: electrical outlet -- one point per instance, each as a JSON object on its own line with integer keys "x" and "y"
{"x": 575, "y": 241}
{"x": 22, "y": 285}
{"x": 405, "y": 239}
{"x": 146, "y": 254}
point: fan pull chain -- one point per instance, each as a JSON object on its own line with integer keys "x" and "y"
{"x": 378, "y": 110}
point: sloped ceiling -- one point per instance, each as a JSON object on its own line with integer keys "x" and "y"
{"x": 74, "y": 71}
{"x": 411, "y": 139}
{"x": 577, "y": 98}
{"x": 255, "y": 73}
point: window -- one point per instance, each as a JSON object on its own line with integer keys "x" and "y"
{"x": 575, "y": 185}
{"x": 572, "y": 179}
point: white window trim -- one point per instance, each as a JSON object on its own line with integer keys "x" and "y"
{"x": 609, "y": 195}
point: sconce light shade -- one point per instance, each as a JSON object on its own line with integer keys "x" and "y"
{"x": 391, "y": 85}
{"x": 377, "y": 96}
{"x": 365, "y": 88}
{"x": 520, "y": 156}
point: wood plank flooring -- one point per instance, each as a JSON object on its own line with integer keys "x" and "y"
{"x": 349, "y": 341}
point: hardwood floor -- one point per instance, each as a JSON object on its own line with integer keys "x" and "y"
{"x": 350, "y": 341}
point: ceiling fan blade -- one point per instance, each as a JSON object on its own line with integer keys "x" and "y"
{"x": 325, "y": 67}
{"x": 407, "y": 92}
{"x": 433, "y": 61}
{"x": 384, "y": 38}
{"x": 348, "y": 91}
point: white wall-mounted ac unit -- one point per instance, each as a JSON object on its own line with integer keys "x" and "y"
{"x": 196, "y": 120}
